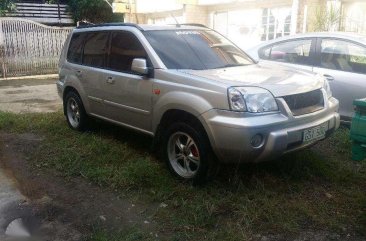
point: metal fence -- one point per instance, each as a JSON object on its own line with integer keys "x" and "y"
{"x": 29, "y": 48}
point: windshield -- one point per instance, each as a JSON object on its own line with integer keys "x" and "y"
{"x": 195, "y": 49}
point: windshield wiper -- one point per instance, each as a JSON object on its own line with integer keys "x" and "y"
{"x": 230, "y": 65}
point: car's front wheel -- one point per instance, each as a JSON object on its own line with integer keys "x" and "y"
{"x": 75, "y": 113}
{"x": 187, "y": 152}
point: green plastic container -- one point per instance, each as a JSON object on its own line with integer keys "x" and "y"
{"x": 358, "y": 130}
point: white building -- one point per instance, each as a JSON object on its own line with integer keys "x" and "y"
{"x": 247, "y": 22}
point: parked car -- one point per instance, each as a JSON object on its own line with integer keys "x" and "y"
{"x": 340, "y": 57}
{"x": 199, "y": 95}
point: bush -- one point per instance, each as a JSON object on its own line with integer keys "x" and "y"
{"x": 94, "y": 11}
{"x": 6, "y": 5}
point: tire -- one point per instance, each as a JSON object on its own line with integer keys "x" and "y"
{"x": 187, "y": 152}
{"x": 76, "y": 116}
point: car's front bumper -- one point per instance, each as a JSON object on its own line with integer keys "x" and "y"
{"x": 230, "y": 133}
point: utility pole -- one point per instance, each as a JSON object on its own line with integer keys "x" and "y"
{"x": 59, "y": 13}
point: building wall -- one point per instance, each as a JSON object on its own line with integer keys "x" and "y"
{"x": 354, "y": 17}
{"x": 244, "y": 21}
{"x": 196, "y": 14}
{"x": 247, "y": 5}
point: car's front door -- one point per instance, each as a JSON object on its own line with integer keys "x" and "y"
{"x": 343, "y": 63}
{"x": 296, "y": 53}
{"x": 128, "y": 95}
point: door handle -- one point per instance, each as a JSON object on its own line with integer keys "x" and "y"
{"x": 329, "y": 77}
{"x": 110, "y": 80}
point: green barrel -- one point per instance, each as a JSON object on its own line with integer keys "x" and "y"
{"x": 358, "y": 130}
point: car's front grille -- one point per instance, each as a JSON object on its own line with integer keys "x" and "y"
{"x": 305, "y": 103}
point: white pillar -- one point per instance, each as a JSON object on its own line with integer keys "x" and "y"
{"x": 294, "y": 14}
{"x": 305, "y": 21}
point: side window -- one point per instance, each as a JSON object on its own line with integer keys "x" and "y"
{"x": 95, "y": 49}
{"x": 293, "y": 52}
{"x": 265, "y": 53}
{"x": 124, "y": 48}
{"x": 343, "y": 55}
{"x": 76, "y": 48}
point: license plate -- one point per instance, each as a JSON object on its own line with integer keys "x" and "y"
{"x": 315, "y": 133}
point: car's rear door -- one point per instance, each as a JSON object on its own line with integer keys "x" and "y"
{"x": 343, "y": 63}
{"x": 295, "y": 53}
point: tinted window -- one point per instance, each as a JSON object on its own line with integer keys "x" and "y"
{"x": 343, "y": 55}
{"x": 294, "y": 52}
{"x": 95, "y": 49}
{"x": 197, "y": 49}
{"x": 76, "y": 48}
{"x": 124, "y": 48}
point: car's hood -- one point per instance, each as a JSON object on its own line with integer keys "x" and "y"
{"x": 277, "y": 79}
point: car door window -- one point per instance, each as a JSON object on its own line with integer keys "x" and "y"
{"x": 343, "y": 55}
{"x": 294, "y": 52}
{"x": 95, "y": 49}
{"x": 124, "y": 48}
{"x": 74, "y": 54}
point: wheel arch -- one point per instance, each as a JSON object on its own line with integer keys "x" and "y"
{"x": 178, "y": 115}
{"x": 79, "y": 92}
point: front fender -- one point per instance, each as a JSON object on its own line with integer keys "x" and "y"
{"x": 177, "y": 100}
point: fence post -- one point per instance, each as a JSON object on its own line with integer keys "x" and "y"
{"x": 2, "y": 50}
{"x": 2, "y": 61}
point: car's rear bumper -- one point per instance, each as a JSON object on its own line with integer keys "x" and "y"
{"x": 230, "y": 133}
{"x": 60, "y": 88}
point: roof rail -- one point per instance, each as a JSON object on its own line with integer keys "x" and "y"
{"x": 110, "y": 25}
{"x": 194, "y": 24}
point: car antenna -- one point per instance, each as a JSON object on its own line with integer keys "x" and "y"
{"x": 175, "y": 19}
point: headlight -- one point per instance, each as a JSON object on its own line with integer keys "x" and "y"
{"x": 326, "y": 85}
{"x": 251, "y": 99}
{"x": 327, "y": 88}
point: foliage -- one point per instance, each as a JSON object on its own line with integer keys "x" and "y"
{"x": 94, "y": 11}
{"x": 327, "y": 18}
{"x": 6, "y": 5}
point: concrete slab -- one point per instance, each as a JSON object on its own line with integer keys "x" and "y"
{"x": 29, "y": 95}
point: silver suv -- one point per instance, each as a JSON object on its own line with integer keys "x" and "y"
{"x": 200, "y": 96}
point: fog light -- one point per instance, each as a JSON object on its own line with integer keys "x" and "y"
{"x": 257, "y": 141}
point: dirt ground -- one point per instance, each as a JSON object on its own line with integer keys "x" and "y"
{"x": 57, "y": 209}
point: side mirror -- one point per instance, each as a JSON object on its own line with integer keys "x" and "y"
{"x": 139, "y": 65}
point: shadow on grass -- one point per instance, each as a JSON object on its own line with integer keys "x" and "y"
{"x": 298, "y": 191}
{"x": 298, "y": 166}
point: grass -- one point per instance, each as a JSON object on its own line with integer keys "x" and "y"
{"x": 131, "y": 234}
{"x": 317, "y": 190}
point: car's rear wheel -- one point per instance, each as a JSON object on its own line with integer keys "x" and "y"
{"x": 187, "y": 152}
{"x": 75, "y": 113}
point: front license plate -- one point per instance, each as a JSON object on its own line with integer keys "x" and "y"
{"x": 315, "y": 133}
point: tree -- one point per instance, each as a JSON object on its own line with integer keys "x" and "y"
{"x": 94, "y": 11}
{"x": 327, "y": 18}
{"x": 6, "y": 5}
